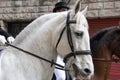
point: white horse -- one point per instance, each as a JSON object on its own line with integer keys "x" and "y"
{"x": 41, "y": 38}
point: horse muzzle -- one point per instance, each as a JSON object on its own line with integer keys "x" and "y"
{"x": 81, "y": 74}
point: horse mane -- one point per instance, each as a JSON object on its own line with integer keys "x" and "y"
{"x": 32, "y": 26}
{"x": 111, "y": 37}
{"x": 98, "y": 35}
{"x": 105, "y": 35}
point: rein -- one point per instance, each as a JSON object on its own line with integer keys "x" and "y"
{"x": 104, "y": 60}
{"x": 52, "y": 62}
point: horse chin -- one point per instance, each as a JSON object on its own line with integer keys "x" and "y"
{"x": 80, "y": 74}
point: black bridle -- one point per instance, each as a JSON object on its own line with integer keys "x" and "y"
{"x": 70, "y": 41}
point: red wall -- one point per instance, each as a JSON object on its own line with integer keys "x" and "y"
{"x": 97, "y": 24}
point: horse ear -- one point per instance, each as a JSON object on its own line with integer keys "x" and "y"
{"x": 85, "y": 10}
{"x": 77, "y": 6}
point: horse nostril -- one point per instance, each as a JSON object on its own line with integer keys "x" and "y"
{"x": 87, "y": 70}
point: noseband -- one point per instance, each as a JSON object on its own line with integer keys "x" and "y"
{"x": 70, "y": 41}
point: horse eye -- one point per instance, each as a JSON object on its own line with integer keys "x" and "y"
{"x": 79, "y": 33}
{"x": 84, "y": 25}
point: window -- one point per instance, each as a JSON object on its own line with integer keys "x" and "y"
{"x": 14, "y": 28}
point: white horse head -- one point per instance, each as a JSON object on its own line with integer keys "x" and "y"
{"x": 43, "y": 39}
{"x": 80, "y": 37}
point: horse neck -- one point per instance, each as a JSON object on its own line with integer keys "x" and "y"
{"x": 43, "y": 39}
{"x": 32, "y": 27}
{"x": 98, "y": 35}
{"x": 112, "y": 38}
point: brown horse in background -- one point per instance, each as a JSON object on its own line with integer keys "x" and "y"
{"x": 105, "y": 44}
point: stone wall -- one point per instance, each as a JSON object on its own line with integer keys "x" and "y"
{"x": 12, "y": 10}
{"x": 103, "y": 8}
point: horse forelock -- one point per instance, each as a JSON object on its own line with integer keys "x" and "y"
{"x": 81, "y": 19}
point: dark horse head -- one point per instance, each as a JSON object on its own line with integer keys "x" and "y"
{"x": 110, "y": 37}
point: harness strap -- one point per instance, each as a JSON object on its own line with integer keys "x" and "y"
{"x": 104, "y": 60}
{"x": 60, "y": 37}
{"x": 69, "y": 36}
